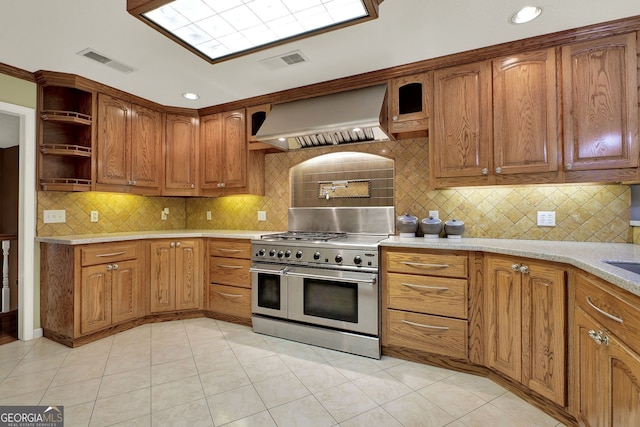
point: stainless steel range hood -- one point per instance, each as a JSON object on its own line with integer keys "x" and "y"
{"x": 353, "y": 116}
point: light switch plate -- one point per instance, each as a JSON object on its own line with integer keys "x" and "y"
{"x": 208, "y": 215}
{"x": 94, "y": 216}
{"x": 546, "y": 218}
{"x": 54, "y": 216}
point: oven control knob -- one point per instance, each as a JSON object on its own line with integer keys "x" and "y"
{"x": 338, "y": 258}
{"x": 357, "y": 260}
{"x": 316, "y": 255}
{"x": 262, "y": 252}
{"x": 287, "y": 254}
{"x": 272, "y": 252}
{"x": 299, "y": 254}
{"x": 280, "y": 254}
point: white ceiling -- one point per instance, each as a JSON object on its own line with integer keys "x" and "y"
{"x": 46, "y": 35}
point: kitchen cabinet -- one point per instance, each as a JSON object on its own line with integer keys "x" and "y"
{"x": 89, "y": 288}
{"x": 65, "y": 132}
{"x": 425, "y": 301}
{"x": 227, "y": 166}
{"x": 505, "y": 132}
{"x": 256, "y": 115}
{"x": 409, "y": 103}
{"x": 176, "y": 275}
{"x": 181, "y": 155}
{"x": 129, "y": 147}
{"x": 229, "y": 280}
{"x": 600, "y": 108}
{"x": 525, "y": 337}
{"x": 606, "y": 359}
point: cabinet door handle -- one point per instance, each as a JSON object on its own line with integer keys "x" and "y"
{"x": 419, "y": 264}
{"x": 420, "y": 325}
{"x": 228, "y": 295}
{"x": 431, "y": 288}
{"x": 177, "y": 244}
{"x": 172, "y": 244}
{"x": 604, "y": 313}
{"x": 111, "y": 254}
{"x": 115, "y": 266}
{"x": 498, "y": 170}
{"x": 524, "y": 269}
{"x": 485, "y": 171}
{"x": 568, "y": 166}
{"x": 109, "y": 267}
{"x": 515, "y": 267}
{"x": 229, "y": 266}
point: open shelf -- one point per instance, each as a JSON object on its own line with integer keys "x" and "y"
{"x": 65, "y": 150}
{"x": 71, "y": 117}
{"x": 65, "y": 184}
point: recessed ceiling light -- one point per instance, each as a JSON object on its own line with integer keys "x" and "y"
{"x": 190, "y": 96}
{"x": 526, "y": 14}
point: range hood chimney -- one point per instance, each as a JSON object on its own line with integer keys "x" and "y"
{"x": 353, "y": 116}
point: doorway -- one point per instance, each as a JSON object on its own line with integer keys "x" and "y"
{"x": 25, "y": 119}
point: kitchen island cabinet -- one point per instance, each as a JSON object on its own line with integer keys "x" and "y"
{"x": 176, "y": 275}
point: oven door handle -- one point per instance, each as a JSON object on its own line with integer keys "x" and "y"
{"x": 280, "y": 272}
{"x": 371, "y": 281}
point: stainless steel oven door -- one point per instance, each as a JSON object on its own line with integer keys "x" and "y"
{"x": 269, "y": 290}
{"x": 343, "y": 300}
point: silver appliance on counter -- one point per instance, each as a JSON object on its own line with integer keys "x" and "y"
{"x": 318, "y": 283}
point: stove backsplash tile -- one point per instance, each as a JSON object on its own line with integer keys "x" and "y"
{"x": 598, "y": 213}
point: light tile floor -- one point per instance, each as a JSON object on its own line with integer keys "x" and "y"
{"x": 203, "y": 372}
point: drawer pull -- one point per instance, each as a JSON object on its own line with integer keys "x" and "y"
{"x": 224, "y": 294}
{"x": 111, "y": 254}
{"x": 442, "y": 328}
{"x": 228, "y": 250}
{"x": 431, "y": 288}
{"x": 420, "y": 264}
{"x": 229, "y": 266}
{"x": 604, "y": 313}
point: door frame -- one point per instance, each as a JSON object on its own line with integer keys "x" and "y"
{"x": 26, "y": 219}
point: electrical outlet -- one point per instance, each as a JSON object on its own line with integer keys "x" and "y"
{"x": 166, "y": 210}
{"x": 54, "y": 216}
{"x": 433, "y": 214}
{"x": 163, "y": 216}
{"x": 94, "y": 216}
{"x": 262, "y": 215}
{"x": 208, "y": 215}
{"x": 546, "y": 218}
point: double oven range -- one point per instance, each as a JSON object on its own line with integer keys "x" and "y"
{"x": 319, "y": 283}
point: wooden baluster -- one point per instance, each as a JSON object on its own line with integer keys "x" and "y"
{"x": 6, "y": 292}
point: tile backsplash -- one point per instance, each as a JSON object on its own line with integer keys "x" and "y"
{"x": 583, "y": 212}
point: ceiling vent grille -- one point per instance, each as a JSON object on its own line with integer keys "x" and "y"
{"x": 285, "y": 60}
{"x": 98, "y": 57}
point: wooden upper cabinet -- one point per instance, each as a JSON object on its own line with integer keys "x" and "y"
{"x": 460, "y": 142}
{"x": 256, "y": 116}
{"x": 600, "y": 107}
{"x": 129, "y": 148}
{"x": 525, "y": 119}
{"x": 235, "y": 149}
{"x": 181, "y": 155}
{"x": 409, "y": 103}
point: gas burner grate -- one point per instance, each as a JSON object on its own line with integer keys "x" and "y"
{"x": 305, "y": 236}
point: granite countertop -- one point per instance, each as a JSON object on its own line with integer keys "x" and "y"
{"x": 83, "y": 239}
{"x": 587, "y": 256}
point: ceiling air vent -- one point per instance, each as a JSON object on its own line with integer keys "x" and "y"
{"x": 98, "y": 57}
{"x": 284, "y": 60}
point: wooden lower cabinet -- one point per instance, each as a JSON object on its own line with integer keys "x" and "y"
{"x": 176, "y": 275}
{"x": 425, "y": 301}
{"x": 606, "y": 355}
{"x": 89, "y": 288}
{"x": 525, "y": 326}
{"x": 229, "y": 280}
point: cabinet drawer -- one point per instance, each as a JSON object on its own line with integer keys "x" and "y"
{"x": 104, "y": 253}
{"x": 230, "y": 300}
{"x": 426, "y": 294}
{"x": 620, "y": 315}
{"x": 433, "y": 334}
{"x": 230, "y": 271}
{"x": 444, "y": 265}
{"x": 230, "y": 248}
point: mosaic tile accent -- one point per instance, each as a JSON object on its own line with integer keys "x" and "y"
{"x": 116, "y": 212}
{"x": 588, "y": 213}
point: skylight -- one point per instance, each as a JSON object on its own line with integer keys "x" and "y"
{"x": 223, "y": 29}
